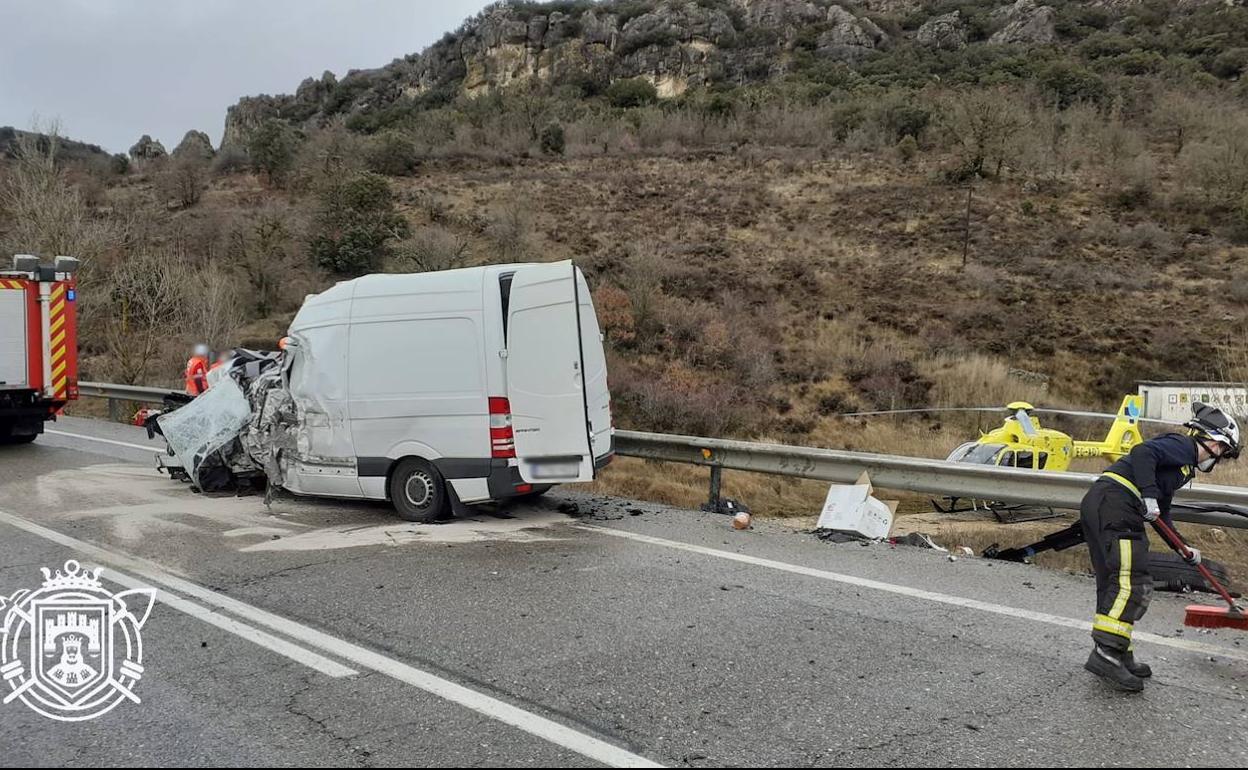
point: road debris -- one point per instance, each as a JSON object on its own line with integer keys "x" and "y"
{"x": 851, "y": 509}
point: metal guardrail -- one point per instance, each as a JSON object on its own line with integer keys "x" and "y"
{"x": 113, "y": 392}
{"x": 909, "y": 474}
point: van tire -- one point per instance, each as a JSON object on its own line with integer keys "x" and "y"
{"x": 418, "y": 491}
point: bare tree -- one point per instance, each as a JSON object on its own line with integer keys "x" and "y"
{"x": 534, "y": 105}
{"x": 146, "y": 312}
{"x": 183, "y": 180}
{"x": 983, "y": 125}
{"x": 46, "y": 214}
{"x": 428, "y": 249}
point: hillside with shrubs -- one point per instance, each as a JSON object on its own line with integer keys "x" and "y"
{"x": 788, "y": 209}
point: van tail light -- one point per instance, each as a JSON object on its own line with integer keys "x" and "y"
{"x": 502, "y": 439}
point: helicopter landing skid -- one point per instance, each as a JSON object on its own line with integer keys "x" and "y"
{"x": 1006, "y": 514}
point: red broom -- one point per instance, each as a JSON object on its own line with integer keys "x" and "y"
{"x": 1202, "y": 615}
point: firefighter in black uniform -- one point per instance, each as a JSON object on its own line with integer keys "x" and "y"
{"x": 1135, "y": 490}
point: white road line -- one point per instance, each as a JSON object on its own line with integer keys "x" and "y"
{"x": 250, "y": 633}
{"x": 539, "y": 726}
{"x": 199, "y": 612}
{"x": 145, "y": 448}
{"x": 916, "y": 593}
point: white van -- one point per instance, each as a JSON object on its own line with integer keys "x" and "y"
{"x": 435, "y": 390}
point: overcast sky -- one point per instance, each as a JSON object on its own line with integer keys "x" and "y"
{"x": 113, "y": 70}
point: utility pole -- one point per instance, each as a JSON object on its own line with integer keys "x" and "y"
{"x": 966, "y": 230}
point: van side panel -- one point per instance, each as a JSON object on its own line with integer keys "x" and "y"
{"x": 417, "y": 373}
{"x": 325, "y": 461}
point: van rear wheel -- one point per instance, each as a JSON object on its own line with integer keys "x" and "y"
{"x": 418, "y": 491}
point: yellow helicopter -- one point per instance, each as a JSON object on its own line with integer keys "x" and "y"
{"x": 1022, "y": 442}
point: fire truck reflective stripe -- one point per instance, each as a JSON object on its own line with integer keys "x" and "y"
{"x": 58, "y": 327}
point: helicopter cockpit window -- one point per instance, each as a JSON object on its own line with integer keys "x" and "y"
{"x": 974, "y": 452}
{"x": 1024, "y": 460}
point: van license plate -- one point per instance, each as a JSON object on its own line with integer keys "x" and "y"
{"x": 555, "y": 470}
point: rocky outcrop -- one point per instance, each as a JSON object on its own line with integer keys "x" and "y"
{"x": 675, "y": 44}
{"x": 1025, "y": 23}
{"x": 946, "y": 32}
{"x": 244, "y": 117}
{"x": 147, "y": 149}
{"x": 194, "y": 146}
{"x": 849, "y": 37}
{"x": 11, "y": 141}
{"x": 895, "y": 7}
{"x": 779, "y": 14}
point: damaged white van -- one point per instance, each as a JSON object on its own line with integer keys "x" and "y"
{"x": 438, "y": 389}
{"x": 431, "y": 390}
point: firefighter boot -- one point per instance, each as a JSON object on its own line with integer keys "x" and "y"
{"x": 1109, "y": 665}
{"x": 1142, "y": 670}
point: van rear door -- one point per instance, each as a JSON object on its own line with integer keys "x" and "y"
{"x": 546, "y": 375}
{"x": 597, "y": 395}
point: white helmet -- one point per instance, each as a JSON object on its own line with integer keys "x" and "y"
{"x": 1212, "y": 424}
{"x": 201, "y": 350}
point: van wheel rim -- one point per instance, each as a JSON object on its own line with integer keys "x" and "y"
{"x": 419, "y": 489}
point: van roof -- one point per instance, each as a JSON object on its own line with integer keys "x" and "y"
{"x": 465, "y": 279}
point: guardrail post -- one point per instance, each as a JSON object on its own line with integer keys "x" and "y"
{"x": 112, "y": 410}
{"x": 713, "y": 502}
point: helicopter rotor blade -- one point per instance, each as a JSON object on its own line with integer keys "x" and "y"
{"x": 998, "y": 410}
{"x": 1104, "y": 415}
{"x": 994, "y": 409}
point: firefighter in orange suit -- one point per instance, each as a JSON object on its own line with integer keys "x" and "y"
{"x": 197, "y": 370}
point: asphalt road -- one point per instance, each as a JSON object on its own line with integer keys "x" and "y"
{"x": 332, "y": 633}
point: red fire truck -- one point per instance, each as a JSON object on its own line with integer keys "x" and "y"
{"x": 38, "y": 345}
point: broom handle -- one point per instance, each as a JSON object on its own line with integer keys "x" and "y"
{"x": 1172, "y": 537}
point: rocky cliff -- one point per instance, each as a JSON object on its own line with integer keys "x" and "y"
{"x": 675, "y": 44}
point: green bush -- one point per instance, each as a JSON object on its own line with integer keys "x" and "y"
{"x": 634, "y": 92}
{"x": 354, "y": 225}
{"x": 272, "y": 147}
{"x": 1230, "y": 64}
{"x": 1105, "y": 44}
{"x": 392, "y": 154}
{"x": 1069, "y": 83}
{"x": 902, "y": 118}
{"x": 553, "y": 140}
{"x": 1135, "y": 62}
{"x": 907, "y": 148}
